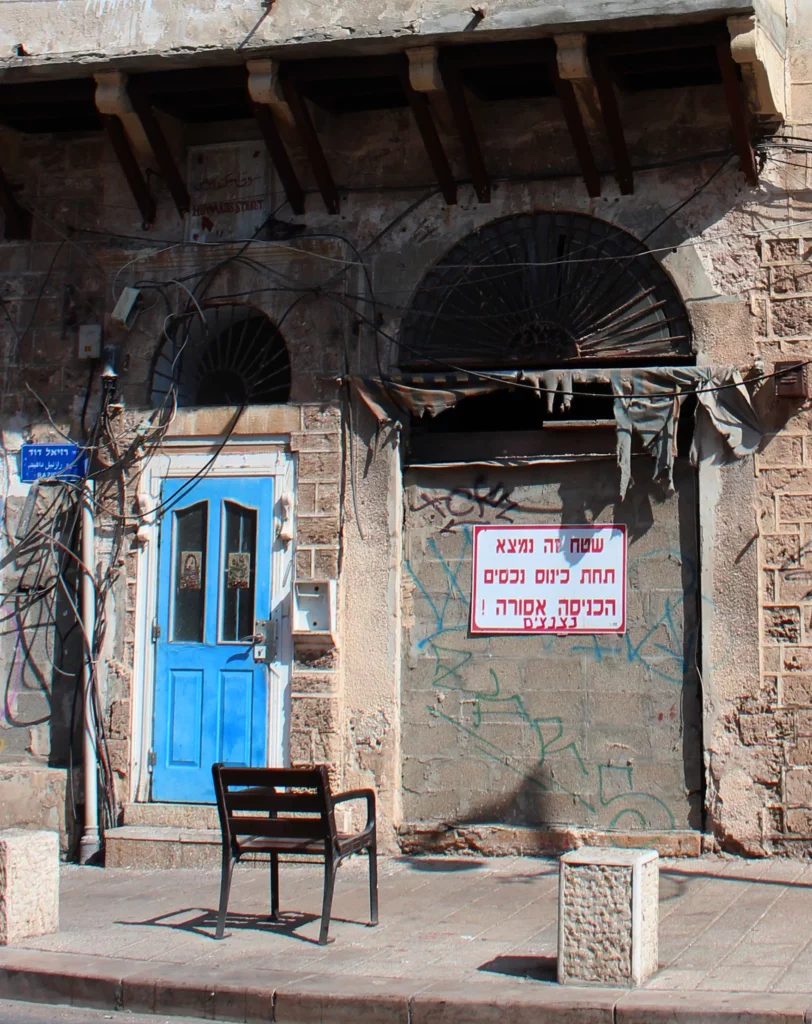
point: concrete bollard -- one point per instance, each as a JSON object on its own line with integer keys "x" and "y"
{"x": 29, "y": 884}
{"x": 608, "y": 916}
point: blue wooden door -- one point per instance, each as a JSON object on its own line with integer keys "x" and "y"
{"x": 214, "y": 583}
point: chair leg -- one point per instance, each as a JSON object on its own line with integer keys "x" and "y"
{"x": 327, "y": 904}
{"x": 373, "y": 884}
{"x": 274, "y": 886}
{"x": 225, "y": 889}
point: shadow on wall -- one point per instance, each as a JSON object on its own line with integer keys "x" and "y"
{"x": 42, "y": 652}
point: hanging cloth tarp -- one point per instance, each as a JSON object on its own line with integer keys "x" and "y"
{"x": 647, "y": 402}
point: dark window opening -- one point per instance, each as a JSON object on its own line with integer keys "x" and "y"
{"x": 237, "y": 357}
{"x": 515, "y": 422}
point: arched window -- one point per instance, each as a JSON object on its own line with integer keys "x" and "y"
{"x": 543, "y": 290}
{"x": 233, "y": 355}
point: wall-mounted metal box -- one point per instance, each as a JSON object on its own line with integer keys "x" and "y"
{"x": 314, "y": 608}
{"x": 791, "y": 380}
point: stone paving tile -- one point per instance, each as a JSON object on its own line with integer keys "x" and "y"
{"x": 740, "y": 979}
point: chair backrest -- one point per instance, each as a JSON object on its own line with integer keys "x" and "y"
{"x": 277, "y": 803}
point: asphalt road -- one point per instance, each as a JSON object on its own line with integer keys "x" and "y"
{"x": 42, "y": 1013}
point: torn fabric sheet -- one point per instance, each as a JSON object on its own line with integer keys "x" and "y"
{"x": 645, "y": 403}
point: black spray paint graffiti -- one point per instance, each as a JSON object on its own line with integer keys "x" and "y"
{"x": 462, "y": 506}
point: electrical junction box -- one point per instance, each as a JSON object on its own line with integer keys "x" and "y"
{"x": 90, "y": 341}
{"x": 314, "y": 608}
{"x": 122, "y": 314}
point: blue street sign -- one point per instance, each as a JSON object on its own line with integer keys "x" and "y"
{"x": 37, "y": 461}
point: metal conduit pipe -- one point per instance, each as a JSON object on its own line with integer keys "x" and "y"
{"x": 90, "y": 843}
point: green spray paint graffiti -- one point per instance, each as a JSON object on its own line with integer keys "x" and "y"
{"x": 557, "y": 756}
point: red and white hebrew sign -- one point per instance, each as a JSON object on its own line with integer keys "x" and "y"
{"x": 549, "y": 579}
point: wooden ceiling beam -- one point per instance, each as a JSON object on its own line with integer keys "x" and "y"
{"x": 18, "y": 220}
{"x": 611, "y": 119}
{"x": 160, "y": 150}
{"x": 575, "y": 124}
{"x": 279, "y": 156}
{"x": 427, "y": 76}
{"x": 115, "y": 132}
{"x": 310, "y": 142}
{"x": 736, "y": 108}
{"x": 455, "y": 91}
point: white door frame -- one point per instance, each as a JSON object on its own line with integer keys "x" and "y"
{"x": 183, "y": 457}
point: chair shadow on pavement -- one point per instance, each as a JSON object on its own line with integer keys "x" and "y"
{"x": 535, "y": 968}
{"x": 205, "y": 923}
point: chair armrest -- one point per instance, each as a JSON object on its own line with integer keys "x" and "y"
{"x": 360, "y": 794}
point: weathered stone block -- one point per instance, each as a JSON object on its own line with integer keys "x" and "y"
{"x": 321, "y": 466}
{"x": 29, "y": 884}
{"x": 782, "y": 625}
{"x": 796, "y": 689}
{"x": 781, "y": 450}
{"x": 608, "y": 916}
{"x": 328, "y": 498}
{"x": 798, "y": 787}
{"x": 799, "y": 822}
{"x": 791, "y": 317}
{"x": 304, "y": 564}
{"x": 322, "y": 530}
{"x": 791, "y": 279}
{"x": 794, "y": 508}
{"x": 319, "y": 417}
{"x": 320, "y": 713}
{"x": 781, "y": 550}
{"x": 779, "y": 250}
{"x": 326, "y": 563}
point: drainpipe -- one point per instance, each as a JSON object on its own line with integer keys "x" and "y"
{"x": 89, "y": 844}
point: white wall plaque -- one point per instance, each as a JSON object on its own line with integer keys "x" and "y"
{"x": 549, "y": 579}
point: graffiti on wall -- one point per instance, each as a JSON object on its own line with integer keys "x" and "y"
{"x": 542, "y": 750}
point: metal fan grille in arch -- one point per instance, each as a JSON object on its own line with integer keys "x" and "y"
{"x": 541, "y": 290}
{"x": 233, "y": 356}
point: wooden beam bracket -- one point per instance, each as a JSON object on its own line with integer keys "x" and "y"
{"x": 737, "y": 108}
{"x": 465, "y": 127}
{"x": 427, "y": 75}
{"x": 611, "y": 119}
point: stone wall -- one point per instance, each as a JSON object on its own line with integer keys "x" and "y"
{"x": 733, "y": 253}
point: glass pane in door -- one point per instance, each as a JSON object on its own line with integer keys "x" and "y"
{"x": 189, "y": 583}
{"x": 238, "y": 574}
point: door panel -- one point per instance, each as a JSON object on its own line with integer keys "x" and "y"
{"x": 211, "y": 697}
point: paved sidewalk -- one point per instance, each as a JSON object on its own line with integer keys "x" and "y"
{"x": 460, "y": 939}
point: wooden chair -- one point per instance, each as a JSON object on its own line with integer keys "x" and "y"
{"x": 289, "y": 810}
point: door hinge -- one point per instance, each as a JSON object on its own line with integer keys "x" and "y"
{"x": 156, "y": 631}
{"x": 151, "y": 759}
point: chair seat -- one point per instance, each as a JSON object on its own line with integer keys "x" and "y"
{"x": 351, "y": 843}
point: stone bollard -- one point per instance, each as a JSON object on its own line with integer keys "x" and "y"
{"x": 608, "y": 916}
{"x": 29, "y": 884}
